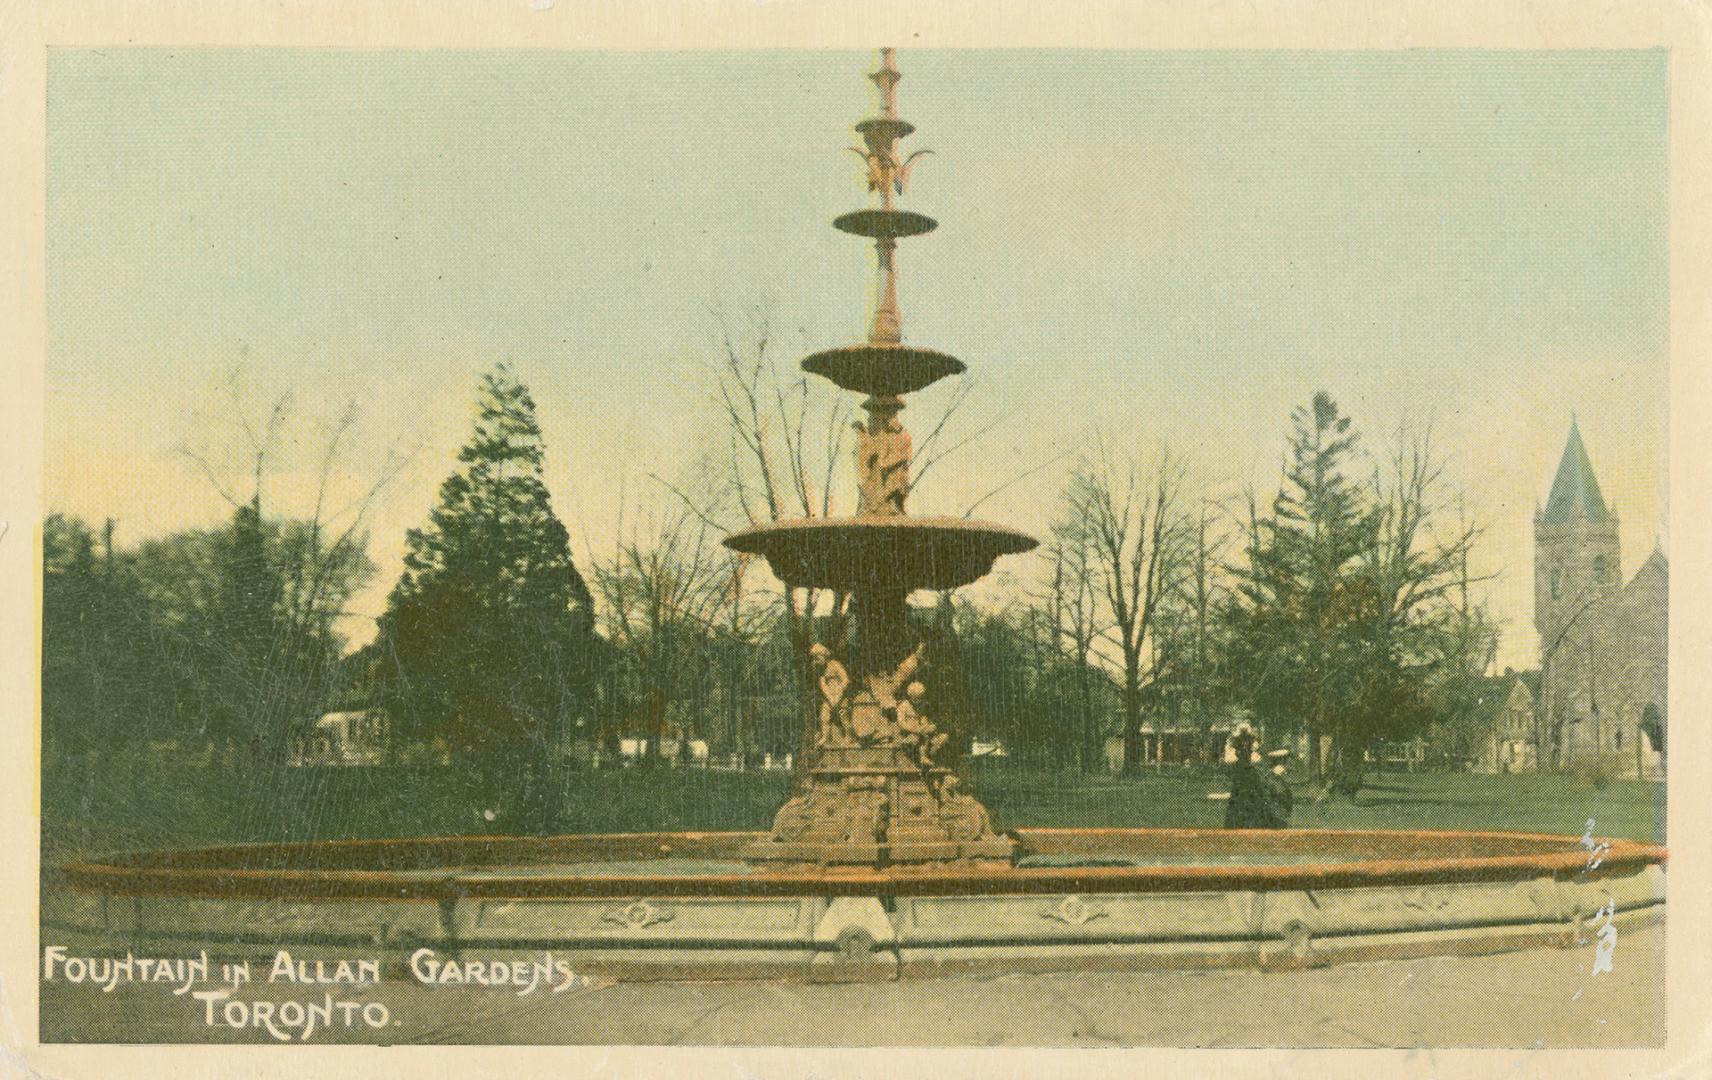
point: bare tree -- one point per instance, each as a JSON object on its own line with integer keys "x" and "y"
{"x": 664, "y": 593}
{"x": 1074, "y": 616}
{"x": 315, "y": 561}
{"x": 1420, "y": 628}
{"x": 257, "y": 450}
{"x": 319, "y": 550}
{"x": 786, "y": 446}
{"x": 334, "y": 533}
{"x": 1137, "y": 532}
{"x": 1190, "y": 625}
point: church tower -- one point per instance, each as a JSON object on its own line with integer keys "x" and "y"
{"x": 1577, "y": 571}
{"x": 1576, "y": 558}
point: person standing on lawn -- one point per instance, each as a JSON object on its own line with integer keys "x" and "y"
{"x": 1276, "y": 800}
{"x": 1246, "y": 808}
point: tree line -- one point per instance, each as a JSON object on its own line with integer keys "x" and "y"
{"x": 1335, "y": 607}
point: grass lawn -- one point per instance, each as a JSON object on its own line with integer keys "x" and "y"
{"x": 91, "y": 811}
{"x": 1631, "y": 809}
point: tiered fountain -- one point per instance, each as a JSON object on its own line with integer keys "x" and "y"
{"x": 879, "y": 864}
{"x": 876, "y": 792}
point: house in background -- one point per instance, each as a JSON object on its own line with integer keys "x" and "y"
{"x": 1505, "y": 715}
{"x": 344, "y": 738}
{"x": 1175, "y": 744}
{"x": 672, "y": 750}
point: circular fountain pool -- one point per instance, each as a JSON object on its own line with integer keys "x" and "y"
{"x": 685, "y": 905}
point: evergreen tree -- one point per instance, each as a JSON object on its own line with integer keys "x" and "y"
{"x": 488, "y": 629}
{"x": 105, "y": 683}
{"x": 1347, "y": 621}
{"x": 1296, "y": 597}
{"x": 242, "y": 638}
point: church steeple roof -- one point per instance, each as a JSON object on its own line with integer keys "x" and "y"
{"x": 1574, "y": 493}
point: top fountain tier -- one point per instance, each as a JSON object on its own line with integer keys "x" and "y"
{"x": 888, "y": 128}
{"x": 884, "y": 223}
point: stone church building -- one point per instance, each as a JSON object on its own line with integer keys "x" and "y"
{"x": 1603, "y": 642}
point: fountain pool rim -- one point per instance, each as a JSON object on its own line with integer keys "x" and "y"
{"x": 1373, "y": 895}
{"x": 499, "y": 867}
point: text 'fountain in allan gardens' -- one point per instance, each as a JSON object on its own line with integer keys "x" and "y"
{"x": 875, "y": 791}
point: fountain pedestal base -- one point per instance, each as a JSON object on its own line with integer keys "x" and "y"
{"x": 874, "y": 806}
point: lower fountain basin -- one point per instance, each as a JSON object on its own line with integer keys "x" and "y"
{"x": 869, "y": 552}
{"x": 685, "y": 906}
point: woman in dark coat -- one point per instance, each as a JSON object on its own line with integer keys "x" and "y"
{"x": 1246, "y": 808}
{"x": 1276, "y": 801}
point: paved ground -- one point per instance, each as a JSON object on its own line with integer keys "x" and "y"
{"x": 1544, "y": 998}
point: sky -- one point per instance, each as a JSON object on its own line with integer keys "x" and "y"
{"x": 1160, "y": 248}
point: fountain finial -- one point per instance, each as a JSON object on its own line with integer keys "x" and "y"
{"x": 888, "y": 175}
{"x": 887, "y": 80}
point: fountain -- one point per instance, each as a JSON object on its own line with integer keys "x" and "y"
{"x": 876, "y": 793}
{"x": 880, "y": 864}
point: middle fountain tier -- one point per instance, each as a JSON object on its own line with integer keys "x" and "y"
{"x": 874, "y": 787}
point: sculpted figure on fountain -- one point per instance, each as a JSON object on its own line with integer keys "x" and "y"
{"x": 834, "y": 682}
{"x": 919, "y": 733}
{"x": 883, "y": 450}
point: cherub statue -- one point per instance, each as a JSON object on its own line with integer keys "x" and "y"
{"x": 918, "y": 731}
{"x": 962, "y": 816}
{"x": 834, "y": 682}
{"x": 890, "y": 689}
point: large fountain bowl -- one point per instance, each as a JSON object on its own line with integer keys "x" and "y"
{"x": 881, "y": 552}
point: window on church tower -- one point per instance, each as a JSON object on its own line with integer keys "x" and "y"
{"x": 1599, "y": 569}
{"x": 1557, "y": 583}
